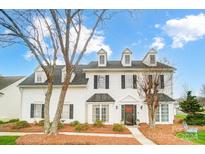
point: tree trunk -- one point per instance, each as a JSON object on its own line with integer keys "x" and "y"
{"x": 46, "y": 109}
{"x": 56, "y": 120}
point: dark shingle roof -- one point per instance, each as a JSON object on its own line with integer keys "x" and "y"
{"x": 101, "y": 97}
{"x": 135, "y": 64}
{"x": 79, "y": 78}
{"x": 165, "y": 98}
{"x": 5, "y": 81}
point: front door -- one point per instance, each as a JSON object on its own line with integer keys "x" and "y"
{"x": 130, "y": 114}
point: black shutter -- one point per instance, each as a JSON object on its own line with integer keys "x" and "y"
{"x": 150, "y": 78}
{"x": 71, "y": 111}
{"x": 107, "y": 82}
{"x": 32, "y": 111}
{"x": 134, "y": 81}
{"x": 162, "y": 81}
{"x": 123, "y": 81}
{"x": 95, "y": 81}
{"x": 42, "y": 111}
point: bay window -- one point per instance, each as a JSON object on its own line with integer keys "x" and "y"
{"x": 100, "y": 112}
{"x": 162, "y": 114}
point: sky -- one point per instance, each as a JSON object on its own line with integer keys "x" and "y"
{"x": 177, "y": 35}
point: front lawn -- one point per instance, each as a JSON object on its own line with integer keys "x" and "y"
{"x": 192, "y": 137}
{"x": 181, "y": 116}
{"x": 8, "y": 140}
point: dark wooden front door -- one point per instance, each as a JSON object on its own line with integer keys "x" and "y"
{"x": 130, "y": 114}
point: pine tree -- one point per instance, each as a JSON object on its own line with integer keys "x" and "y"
{"x": 190, "y": 105}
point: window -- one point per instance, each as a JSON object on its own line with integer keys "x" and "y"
{"x": 128, "y": 81}
{"x": 127, "y": 59}
{"x": 96, "y": 112}
{"x": 39, "y": 78}
{"x": 105, "y": 113}
{"x": 162, "y": 114}
{"x": 102, "y": 59}
{"x": 37, "y": 111}
{"x": 152, "y": 59}
{"x": 67, "y": 112}
{"x": 100, "y": 112}
{"x": 101, "y": 81}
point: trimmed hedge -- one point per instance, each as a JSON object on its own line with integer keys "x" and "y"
{"x": 81, "y": 127}
{"x": 118, "y": 128}
{"x": 74, "y": 123}
{"x": 195, "y": 119}
{"x": 98, "y": 124}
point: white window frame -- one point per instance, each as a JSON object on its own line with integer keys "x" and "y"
{"x": 102, "y": 59}
{"x": 102, "y": 116}
{"x": 160, "y": 114}
{"x": 65, "y": 114}
{"x": 152, "y": 61}
{"x": 39, "y": 113}
{"x": 129, "y": 81}
{"x": 39, "y": 75}
{"x": 101, "y": 82}
{"x": 127, "y": 59}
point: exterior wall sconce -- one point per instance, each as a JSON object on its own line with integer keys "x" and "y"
{"x": 141, "y": 107}
{"x": 116, "y": 107}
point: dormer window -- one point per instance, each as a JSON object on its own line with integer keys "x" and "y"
{"x": 152, "y": 59}
{"x": 39, "y": 77}
{"x": 127, "y": 59}
{"x": 102, "y": 59}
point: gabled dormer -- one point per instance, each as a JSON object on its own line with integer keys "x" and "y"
{"x": 40, "y": 76}
{"x": 126, "y": 59}
{"x": 150, "y": 58}
{"x": 102, "y": 58}
{"x": 63, "y": 73}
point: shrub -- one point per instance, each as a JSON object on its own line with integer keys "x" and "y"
{"x": 98, "y": 123}
{"x": 21, "y": 124}
{"x": 41, "y": 123}
{"x": 118, "y": 128}
{"x": 81, "y": 127}
{"x": 74, "y": 123}
{"x": 60, "y": 125}
{"x": 1, "y": 122}
{"x": 195, "y": 119}
{"x": 12, "y": 121}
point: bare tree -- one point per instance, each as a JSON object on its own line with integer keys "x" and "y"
{"x": 33, "y": 31}
{"x": 69, "y": 52}
{"x": 49, "y": 37}
{"x": 149, "y": 87}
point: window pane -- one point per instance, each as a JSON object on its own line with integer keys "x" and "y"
{"x": 128, "y": 81}
{"x": 152, "y": 59}
{"x": 102, "y": 59}
{"x": 105, "y": 113}
{"x": 65, "y": 111}
{"x": 96, "y": 112}
{"x": 37, "y": 110}
{"x": 164, "y": 113}
{"x": 157, "y": 115}
{"x": 101, "y": 81}
{"x": 127, "y": 59}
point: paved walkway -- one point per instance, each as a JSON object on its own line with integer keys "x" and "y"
{"x": 67, "y": 133}
{"x": 139, "y": 136}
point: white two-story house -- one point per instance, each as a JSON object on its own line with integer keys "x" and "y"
{"x": 101, "y": 90}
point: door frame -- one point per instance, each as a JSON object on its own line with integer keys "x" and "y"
{"x": 134, "y": 114}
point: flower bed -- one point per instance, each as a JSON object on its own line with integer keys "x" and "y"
{"x": 74, "y": 140}
{"x": 107, "y": 129}
{"x": 165, "y": 134}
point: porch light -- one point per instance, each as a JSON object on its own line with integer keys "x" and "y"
{"x": 116, "y": 107}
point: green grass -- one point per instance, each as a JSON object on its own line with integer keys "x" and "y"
{"x": 8, "y": 140}
{"x": 181, "y": 116}
{"x": 191, "y": 137}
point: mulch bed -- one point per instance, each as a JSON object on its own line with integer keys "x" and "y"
{"x": 34, "y": 139}
{"x": 107, "y": 129}
{"x": 165, "y": 134}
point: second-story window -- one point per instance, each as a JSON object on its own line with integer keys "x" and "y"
{"x": 152, "y": 59}
{"x": 127, "y": 59}
{"x": 102, "y": 59}
{"x": 128, "y": 81}
{"x": 101, "y": 81}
